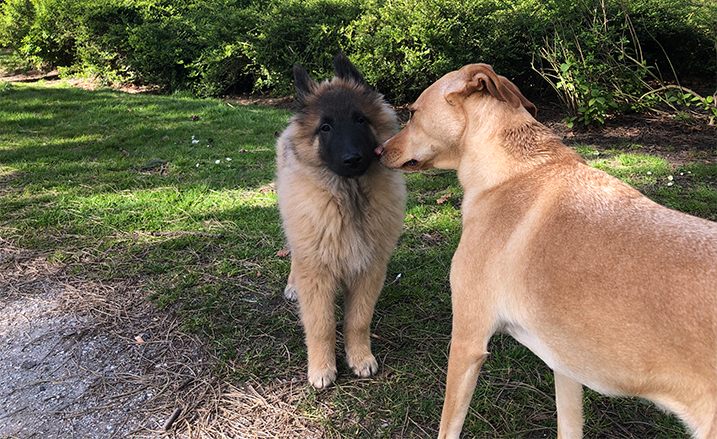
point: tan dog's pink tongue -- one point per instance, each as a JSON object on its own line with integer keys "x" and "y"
{"x": 378, "y": 150}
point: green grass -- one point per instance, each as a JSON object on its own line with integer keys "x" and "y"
{"x": 78, "y": 182}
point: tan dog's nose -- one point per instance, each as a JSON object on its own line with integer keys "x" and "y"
{"x": 379, "y": 150}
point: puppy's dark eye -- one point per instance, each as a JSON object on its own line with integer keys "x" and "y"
{"x": 326, "y": 128}
{"x": 360, "y": 120}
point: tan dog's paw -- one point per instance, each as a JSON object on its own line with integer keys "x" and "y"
{"x": 364, "y": 368}
{"x": 322, "y": 378}
{"x": 290, "y": 292}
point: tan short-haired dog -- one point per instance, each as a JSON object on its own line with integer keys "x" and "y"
{"x": 610, "y": 289}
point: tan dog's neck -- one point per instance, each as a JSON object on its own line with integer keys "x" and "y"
{"x": 503, "y": 143}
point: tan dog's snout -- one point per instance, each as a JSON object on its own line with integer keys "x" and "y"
{"x": 391, "y": 154}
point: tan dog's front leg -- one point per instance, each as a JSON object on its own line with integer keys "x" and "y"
{"x": 359, "y": 301}
{"x": 464, "y": 363}
{"x": 316, "y": 293}
{"x": 569, "y": 400}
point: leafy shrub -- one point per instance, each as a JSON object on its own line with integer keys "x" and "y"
{"x": 51, "y": 37}
{"x": 405, "y": 45}
{"x": 223, "y": 63}
{"x": 594, "y": 62}
{"x": 601, "y": 49}
{"x": 676, "y": 34}
{"x": 16, "y": 19}
{"x": 161, "y": 48}
{"x": 101, "y": 48}
{"x": 305, "y": 32}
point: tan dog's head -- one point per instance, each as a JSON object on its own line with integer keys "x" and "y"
{"x": 433, "y": 137}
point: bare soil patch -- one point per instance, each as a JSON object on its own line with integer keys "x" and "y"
{"x": 82, "y": 358}
{"x": 677, "y": 142}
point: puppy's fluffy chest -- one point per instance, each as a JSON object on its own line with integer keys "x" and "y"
{"x": 342, "y": 219}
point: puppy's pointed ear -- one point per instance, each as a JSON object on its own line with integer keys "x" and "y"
{"x": 303, "y": 84}
{"x": 476, "y": 77}
{"x": 345, "y": 70}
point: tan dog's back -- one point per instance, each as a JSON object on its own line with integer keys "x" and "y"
{"x": 640, "y": 277}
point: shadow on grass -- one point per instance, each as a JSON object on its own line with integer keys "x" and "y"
{"x": 201, "y": 234}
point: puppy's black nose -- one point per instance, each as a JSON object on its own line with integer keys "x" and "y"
{"x": 352, "y": 160}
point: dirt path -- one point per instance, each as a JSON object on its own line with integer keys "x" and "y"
{"x": 71, "y": 363}
{"x": 84, "y": 359}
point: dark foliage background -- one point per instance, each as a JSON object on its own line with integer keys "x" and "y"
{"x": 217, "y": 46}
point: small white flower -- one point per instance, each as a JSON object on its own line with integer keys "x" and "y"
{"x": 218, "y": 161}
{"x": 669, "y": 177}
{"x": 195, "y": 141}
{"x": 229, "y": 159}
{"x": 682, "y": 173}
{"x": 197, "y": 165}
{"x": 398, "y": 276}
{"x": 670, "y": 183}
{"x": 208, "y": 146}
{"x": 192, "y": 137}
{"x": 649, "y": 172}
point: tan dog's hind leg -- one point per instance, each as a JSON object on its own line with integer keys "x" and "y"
{"x": 464, "y": 363}
{"x": 359, "y": 302}
{"x": 569, "y": 400}
{"x": 316, "y": 302}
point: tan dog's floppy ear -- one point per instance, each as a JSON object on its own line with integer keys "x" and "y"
{"x": 475, "y": 77}
{"x": 532, "y": 109}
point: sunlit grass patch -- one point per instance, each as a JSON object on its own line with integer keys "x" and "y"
{"x": 176, "y": 194}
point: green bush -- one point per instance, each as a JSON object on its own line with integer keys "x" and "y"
{"x": 603, "y": 50}
{"x": 677, "y": 34}
{"x": 51, "y": 37}
{"x": 223, "y": 63}
{"x": 599, "y": 63}
{"x": 405, "y": 45}
{"x": 305, "y": 32}
{"x": 101, "y": 47}
{"x": 16, "y": 19}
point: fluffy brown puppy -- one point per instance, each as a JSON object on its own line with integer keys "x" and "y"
{"x": 610, "y": 289}
{"x": 342, "y": 212}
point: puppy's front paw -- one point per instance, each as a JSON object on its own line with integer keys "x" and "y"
{"x": 291, "y": 293}
{"x": 365, "y": 367}
{"x": 322, "y": 378}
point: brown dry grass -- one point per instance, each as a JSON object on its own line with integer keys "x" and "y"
{"x": 171, "y": 365}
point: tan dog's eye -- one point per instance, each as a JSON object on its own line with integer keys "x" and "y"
{"x": 411, "y": 113}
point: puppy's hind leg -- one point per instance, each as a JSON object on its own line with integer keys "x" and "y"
{"x": 359, "y": 301}
{"x": 569, "y": 400}
{"x": 290, "y": 290}
{"x": 316, "y": 291}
